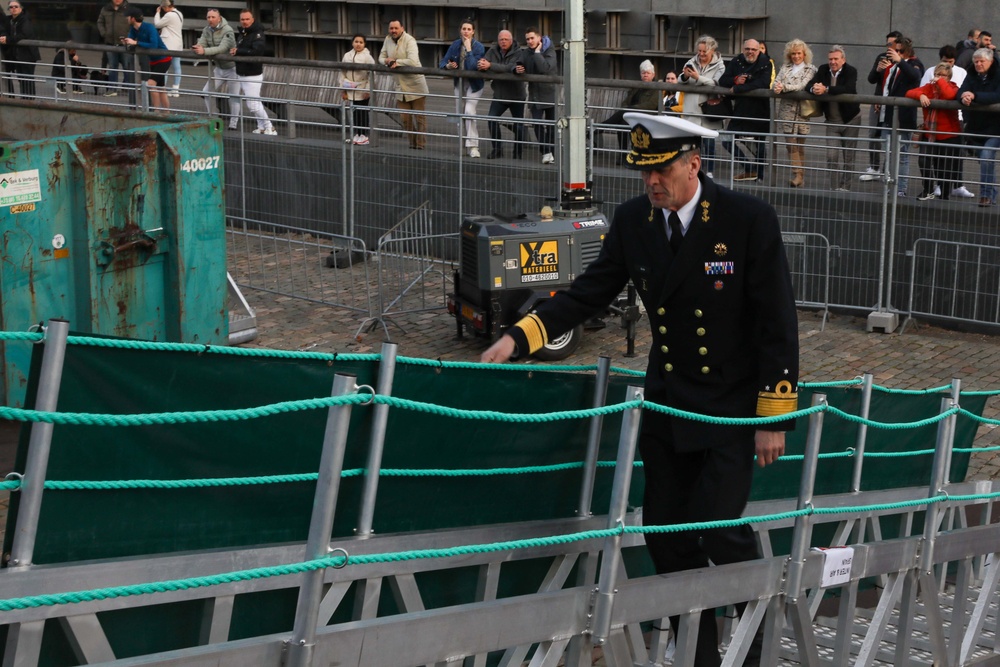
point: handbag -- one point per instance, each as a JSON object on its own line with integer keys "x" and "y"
{"x": 717, "y": 105}
{"x": 810, "y": 109}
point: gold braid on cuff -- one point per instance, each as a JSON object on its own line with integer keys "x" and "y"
{"x": 534, "y": 331}
{"x": 781, "y": 401}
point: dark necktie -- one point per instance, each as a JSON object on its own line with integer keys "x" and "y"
{"x": 676, "y": 233}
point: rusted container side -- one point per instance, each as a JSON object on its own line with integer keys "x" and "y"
{"x": 112, "y": 220}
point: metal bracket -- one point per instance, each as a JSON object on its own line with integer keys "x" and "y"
{"x": 588, "y": 629}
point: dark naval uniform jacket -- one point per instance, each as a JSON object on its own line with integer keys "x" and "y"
{"x": 722, "y": 312}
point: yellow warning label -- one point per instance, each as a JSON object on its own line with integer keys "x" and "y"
{"x": 22, "y": 208}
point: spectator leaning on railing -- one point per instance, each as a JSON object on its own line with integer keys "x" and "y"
{"x": 400, "y": 50}
{"x": 216, "y": 39}
{"x": 704, "y": 69}
{"x": 19, "y": 58}
{"x": 794, "y": 76}
{"x": 843, "y": 119}
{"x": 169, "y": 21}
{"x": 251, "y": 43}
{"x": 507, "y": 95}
{"x": 112, "y": 24}
{"x": 941, "y": 130}
{"x": 539, "y": 57}
{"x": 357, "y": 87}
{"x": 144, "y": 36}
{"x": 465, "y": 53}
{"x": 981, "y": 87}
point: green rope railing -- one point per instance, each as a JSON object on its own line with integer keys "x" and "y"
{"x": 116, "y": 343}
{"x": 339, "y": 561}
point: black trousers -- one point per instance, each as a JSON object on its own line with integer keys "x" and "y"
{"x": 516, "y": 108}
{"x": 686, "y": 487}
{"x": 544, "y": 134}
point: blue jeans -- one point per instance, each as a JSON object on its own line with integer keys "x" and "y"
{"x": 174, "y": 73}
{"x": 988, "y": 168}
{"x": 902, "y": 178}
{"x": 708, "y": 155}
{"x": 116, "y": 60}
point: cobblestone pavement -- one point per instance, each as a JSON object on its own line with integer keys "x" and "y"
{"x": 921, "y": 357}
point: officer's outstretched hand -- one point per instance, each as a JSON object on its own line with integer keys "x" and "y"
{"x": 500, "y": 351}
{"x": 769, "y": 445}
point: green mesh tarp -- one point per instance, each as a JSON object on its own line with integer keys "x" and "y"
{"x": 83, "y": 525}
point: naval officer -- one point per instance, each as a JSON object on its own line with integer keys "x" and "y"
{"x": 710, "y": 268}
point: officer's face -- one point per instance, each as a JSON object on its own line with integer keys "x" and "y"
{"x": 673, "y": 186}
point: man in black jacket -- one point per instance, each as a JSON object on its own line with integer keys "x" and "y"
{"x": 250, "y": 43}
{"x": 710, "y": 267}
{"x": 843, "y": 119}
{"x": 751, "y": 115}
{"x": 502, "y": 58}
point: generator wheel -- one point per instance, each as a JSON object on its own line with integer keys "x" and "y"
{"x": 561, "y": 347}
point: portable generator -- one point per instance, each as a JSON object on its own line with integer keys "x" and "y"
{"x": 507, "y": 266}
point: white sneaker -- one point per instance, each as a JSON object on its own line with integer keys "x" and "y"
{"x": 548, "y": 158}
{"x": 234, "y": 126}
{"x": 111, "y": 93}
{"x": 937, "y": 191}
{"x": 961, "y": 191}
{"x": 871, "y": 174}
{"x": 710, "y": 175}
{"x": 474, "y": 152}
{"x": 362, "y": 140}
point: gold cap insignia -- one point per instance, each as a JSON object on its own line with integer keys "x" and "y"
{"x": 721, "y": 249}
{"x": 640, "y": 137}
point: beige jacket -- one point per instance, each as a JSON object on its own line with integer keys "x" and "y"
{"x": 412, "y": 86}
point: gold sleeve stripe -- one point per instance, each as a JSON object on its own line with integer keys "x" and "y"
{"x": 534, "y": 331}
{"x": 772, "y": 404}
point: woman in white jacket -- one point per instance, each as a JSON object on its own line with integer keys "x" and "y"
{"x": 357, "y": 87}
{"x": 169, "y": 21}
{"x": 705, "y": 69}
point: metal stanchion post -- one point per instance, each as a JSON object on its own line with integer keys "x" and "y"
{"x": 799, "y": 609}
{"x": 594, "y": 436}
{"x": 380, "y": 416}
{"x": 611, "y": 560}
{"x": 29, "y": 509}
{"x": 859, "y": 444}
{"x": 300, "y": 650}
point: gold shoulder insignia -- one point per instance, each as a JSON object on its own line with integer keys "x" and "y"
{"x": 652, "y": 214}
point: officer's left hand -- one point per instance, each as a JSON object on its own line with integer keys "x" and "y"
{"x": 769, "y": 445}
{"x": 500, "y": 351}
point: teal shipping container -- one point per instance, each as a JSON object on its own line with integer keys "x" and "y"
{"x": 114, "y": 221}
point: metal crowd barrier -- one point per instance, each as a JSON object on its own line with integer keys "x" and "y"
{"x": 870, "y": 230}
{"x": 321, "y": 267}
{"x": 414, "y": 265}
